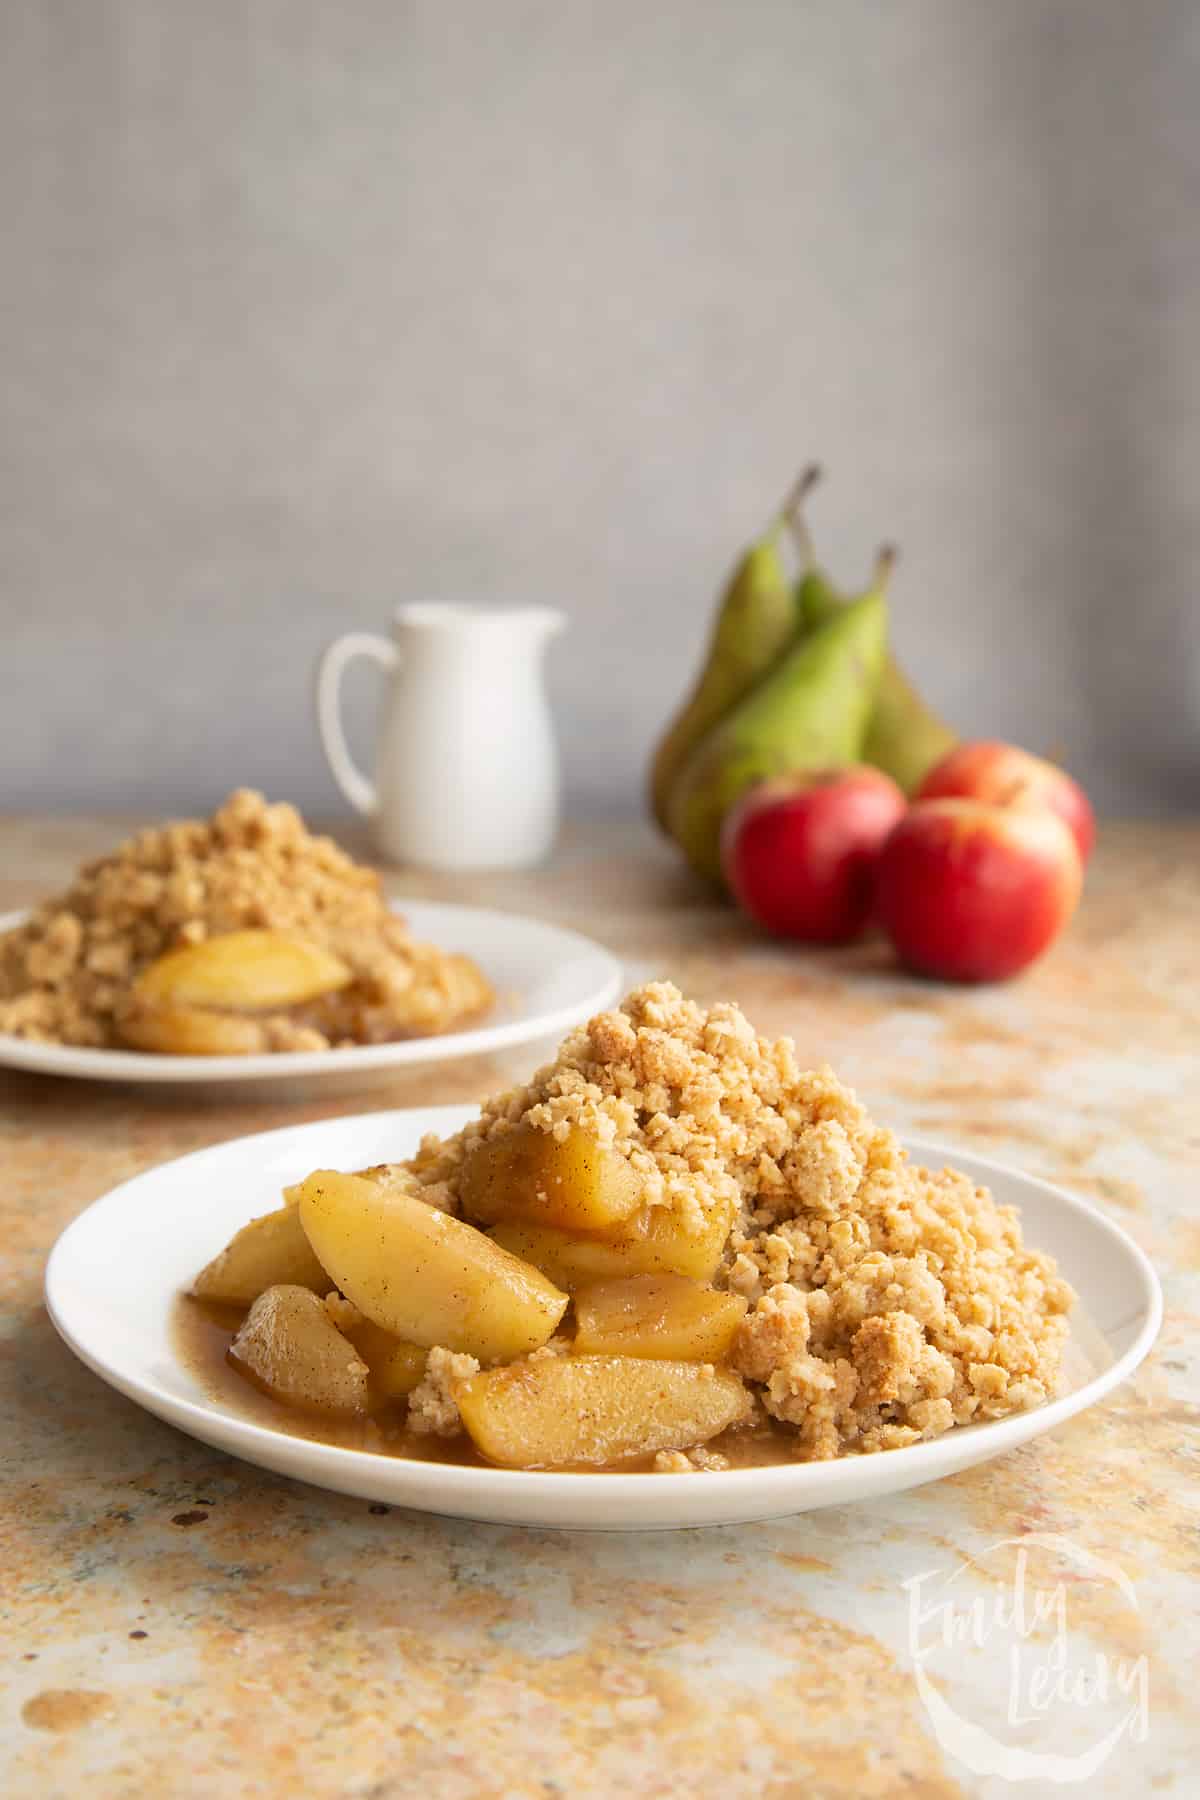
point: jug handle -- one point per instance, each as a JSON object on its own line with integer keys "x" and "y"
{"x": 354, "y": 784}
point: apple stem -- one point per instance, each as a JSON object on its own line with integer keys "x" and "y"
{"x": 793, "y": 513}
{"x": 885, "y": 562}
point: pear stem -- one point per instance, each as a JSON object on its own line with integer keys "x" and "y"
{"x": 885, "y": 562}
{"x": 793, "y": 513}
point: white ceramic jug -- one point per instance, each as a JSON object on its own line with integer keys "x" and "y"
{"x": 466, "y": 770}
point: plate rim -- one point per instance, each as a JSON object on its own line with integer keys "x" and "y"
{"x": 463, "y": 1486}
{"x": 82, "y": 1063}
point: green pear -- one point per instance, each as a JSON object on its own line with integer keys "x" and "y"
{"x": 905, "y": 737}
{"x": 810, "y": 712}
{"x": 755, "y": 619}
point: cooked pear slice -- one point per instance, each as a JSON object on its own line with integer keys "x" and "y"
{"x": 424, "y": 1275}
{"x": 658, "y": 1242}
{"x": 242, "y": 971}
{"x": 571, "y": 1183}
{"x": 271, "y": 1251}
{"x": 656, "y": 1316}
{"x": 288, "y": 1346}
{"x": 596, "y": 1409}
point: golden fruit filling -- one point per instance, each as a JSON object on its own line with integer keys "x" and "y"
{"x": 228, "y": 937}
{"x": 673, "y": 1249}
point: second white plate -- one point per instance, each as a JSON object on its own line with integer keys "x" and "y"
{"x": 546, "y": 980}
{"x": 114, "y": 1276}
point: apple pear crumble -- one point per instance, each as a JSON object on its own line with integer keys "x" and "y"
{"x": 228, "y": 936}
{"x": 673, "y": 1249}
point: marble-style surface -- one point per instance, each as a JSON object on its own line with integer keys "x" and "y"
{"x": 178, "y": 1623}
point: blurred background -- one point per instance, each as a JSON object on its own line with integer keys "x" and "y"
{"x": 309, "y": 309}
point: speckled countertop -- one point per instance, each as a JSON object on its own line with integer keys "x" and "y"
{"x": 178, "y": 1623}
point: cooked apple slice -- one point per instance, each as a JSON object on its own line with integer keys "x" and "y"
{"x": 657, "y": 1242}
{"x": 424, "y": 1275}
{"x": 572, "y": 1183}
{"x": 243, "y": 971}
{"x": 596, "y": 1409}
{"x": 271, "y": 1251}
{"x": 394, "y": 1367}
{"x": 172, "y": 1030}
{"x": 289, "y": 1346}
{"x": 657, "y": 1316}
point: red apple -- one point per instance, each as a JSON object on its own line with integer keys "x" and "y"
{"x": 799, "y": 851}
{"x": 1003, "y": 775}
{"x": 969, "y": 892}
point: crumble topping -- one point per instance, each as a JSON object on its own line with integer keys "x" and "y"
{"x": 689, "y": 1462}
{"x": 432, "y": 1408}
{"x": 65, "y": 973}
{"x": 399, "y": 1178}
{"x": 703, "y": 1108}
{"x": 921, "y": 1311}
{"x": 888, "y": 1302}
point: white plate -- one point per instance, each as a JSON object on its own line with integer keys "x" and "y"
{"x": 546, "y": 980}
{"x": 114, "y": 1275}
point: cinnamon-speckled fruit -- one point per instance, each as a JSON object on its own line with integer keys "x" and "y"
{"x": 424, "y": 1276}
{"x": 242, "y": 971}
{"x": 596, "y": 1409}
{"x": 570, "y": 1183}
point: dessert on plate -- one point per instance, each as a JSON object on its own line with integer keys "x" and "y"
{"x": 673, "y": 1249}
{"x": 229, "y": 936}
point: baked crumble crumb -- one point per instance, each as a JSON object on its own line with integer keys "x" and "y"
{"x": 399, "y": 1178}
{"x": 66, "y": 973}
{"x": 432, "y": 1409}
{"x": 689, "y": 1462}
{"x": 888, "y": 1302}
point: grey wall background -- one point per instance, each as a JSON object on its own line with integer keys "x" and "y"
{"x": 307, "y": 309}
